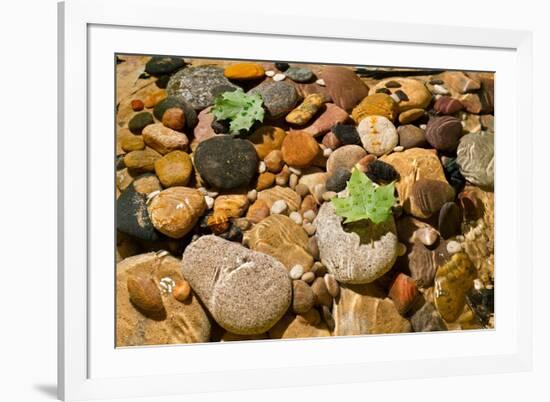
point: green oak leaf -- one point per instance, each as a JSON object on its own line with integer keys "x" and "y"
{"x": 240, "y": 109}
{"x": 365, "y": 200}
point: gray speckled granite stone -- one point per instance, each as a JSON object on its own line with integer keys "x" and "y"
{"x": 475, "y": 157}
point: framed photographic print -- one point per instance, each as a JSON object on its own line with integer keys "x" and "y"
{"x": 327, "y": 195}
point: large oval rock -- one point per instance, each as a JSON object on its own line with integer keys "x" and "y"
{"x": 279, "y": 97}
{"x": 175, "y": 322}
{"x": 362, "y": 309}
{"x": 444, "y": 132}
{"x": 176, "y": 210}
{"x": 430, "y": 195}
{"x": 199, "y": 85}
{"x": 245, "y": 291}
{"x": 345, "y": 157}
{"x": 475, "y": 157}
{"x": 226, "y": 162}
{"x": 281, "y": 238}
{"x": 352, "y": 257}
{"x": 344, "y": 86}
{"x": 417, "y": 96}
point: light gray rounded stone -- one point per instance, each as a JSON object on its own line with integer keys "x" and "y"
{"x": 475, "y": 158}
{"x": 352, "y": 258}
{"x": 246, "y": 292}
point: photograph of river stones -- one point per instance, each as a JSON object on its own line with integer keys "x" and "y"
{"x": 260, "y": 200}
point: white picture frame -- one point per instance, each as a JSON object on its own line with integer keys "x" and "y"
{"x": 89, "y": 368}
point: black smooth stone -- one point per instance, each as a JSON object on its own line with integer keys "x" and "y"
{"x": 233, "y": 234}
{"x": 226, "y": 162}
{"x": 338, "y": 179}
{"x": 163, "y": 65}
{"x": 162, "y": 81}
{"x": 383, "y": 91}
{"x": 132, "y": 216}
{"x": 453, "y": 175}
{"x": 191, "y": 119}
{"x": 120, "y": 162}
{"x": 393, "y": 84}
{"x": 139, "y": 121}
{"x": 282, "y": 66}
{"x": 482, "y": 303}
{"x": 347, "y": 134}
{"x": 402, "y": 95}
{"x": 220, "y": 126}
{"x": 381, "y": 172}
{"x": 449, "y": 220}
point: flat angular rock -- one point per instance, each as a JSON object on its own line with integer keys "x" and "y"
{"x": 349, "y": 257}
{"x": 132, "y": 217}
{"x": 418, "y": 96}
{"x": 345, "y": 87}
{"x": 427, "y": 319}
{"x": 245, "y": 291}
{"x": 328, "y": 117}
{"x": 163, "y": 139}
{"x": 279, "y": 97}
{"x": 291, "y": 326}
{"x": 176, "y": 322}
{"x": 378, "y": 104}
{"x": 199, "y": 85}
{"x": 281, "y": 238}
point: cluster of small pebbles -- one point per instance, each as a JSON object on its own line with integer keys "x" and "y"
{"x": 232, "y": 237}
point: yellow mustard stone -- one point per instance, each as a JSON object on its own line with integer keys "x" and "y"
{"x": 306, "y": 110}
{"x": 378, "y": 104}
{"x": 244, "y": 71}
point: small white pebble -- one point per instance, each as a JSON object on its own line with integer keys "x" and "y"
{"x": 309, "y": 215}
{"x": 296, "y": 271}
{"x": 212, "y": 194}
{"x": 399, "y": 148}
{"x": 463, "y": 123}
{"x": 162, "y": 253}
{"x": 252, "y": 195}
{"x": 309, "y": 228}
{"x": 437, "y": 96}
{"x": 328, "y": 195}
{"x": 423, "y": 126}
{"x": 308, "y": 277}
{"x": 327, "y": 152}
{"x": 464, "y": 116}
{"x": 321, "y": 82}
{"x": 279, "y": 207}
{"x": 396, "y": 98}
{"x": 460, "y": 238}
{"x": 401, "y": 249}
{"x": 209, "y": 201}
{"x": 270, "y": 73}
{"x": 478, "y": 285}
{"x": 203, "y": 191}
{"x": 453, "y": 247}
{"x": 294, "y": 170}
{"x": 261, "y": 167}
{"x": 322, "y": 146}
{"x": 296, "y": 217}
{"x": 470, "y": 235}
{"x": 279, "y": 77}
{"x": 281, "y": 180}
{"x": 318, "y": 190}
{"x": 440, "y": 90}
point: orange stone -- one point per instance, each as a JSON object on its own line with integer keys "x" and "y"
{"x": 378, "y": 104}
{"x": 267, "y": 139}
{"x": 244, "y": 71}
{"x": 299, "y": 149}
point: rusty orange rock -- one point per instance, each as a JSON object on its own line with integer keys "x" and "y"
{"x": 378, "y": 104}
{"x": 244, "y": 71}
{"x": 299, "y": 149}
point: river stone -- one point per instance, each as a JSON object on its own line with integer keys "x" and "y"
{"x": 449, "y": 220}
{"x": 354, "y": 258}
{"x": 430, "y": 195}
{"x": 378, "y": 135}
{"x": 427, "y": 319}
{"x": 163, "y": 139}
{"x": 448, "y": 105}
{"x": 328, "y": 117}
{"x": 291, "y": 326}
{"x": 163, "y": 65}
{"x": 412, "y": 165}
{"x": 345, "y": 157}
{"x": 444, "y": 132}
{"x": 337, "y": 181}
{"x": 377, "y": 104}
{"x": 299, "y": 74}
{"x": 174, "y": 169}
{"x": 403, "y": 292}
{"x": 344, "y": 86}
{"x": 199, "y": 85}
{"x": 419, "y": 97}
{"x": 226, "y": 162}
{"x": 281, "y": 238}
{"x": 176, "y": 210}
{"x": 362, "y": 309}
{"x": 172, "y": 102}
{"x": 244, "y": 71}
{"x": 257, "y": 211}
{"x": 279, "y": 97}
{"x": 128, "y": 141}
{"x": 142, "y": 160}
{"x": 245, "y": 291}
{"x": 475, "y": 157}
{"x": 176, "y": 323}
{"x": 299, "y": 149}
{"x": 267, "y": 139}
{"x": 139, "y": 121}
{"x": 276, "y": 193}
{"x": 411, "y": 136}
{"x": 381, "y": 172}
{"x": 303, "y": 298}
{"x": 132, "y": 217}
{"x": 347, "y": 134}
{"x": 453, "y": 281}
{"x": 411, "y": 115}
{"x": 459, "y": 82}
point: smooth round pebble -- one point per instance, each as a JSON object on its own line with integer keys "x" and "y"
{"x": 296, "y": 217}
{"x": 453, "y": 247}
{"x": 279, "y": 207}
{"x": 296, "y": 272}
{"x": 308, "y": 277}
{"x": 378, "y": 135}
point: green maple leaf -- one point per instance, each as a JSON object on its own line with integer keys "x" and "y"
{"x": 240, "y": 109}
{"x": 365, "y": 200}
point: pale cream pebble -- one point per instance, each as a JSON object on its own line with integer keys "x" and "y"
{"x": 327, "y": 152}
{"x": 294, "y": 170}
{"x": 270, "y": 73}
{"x": 296, "y": 217}
{"x": 396, "y": 98}
{"x": 203, "y": 190}
{"x": 321, "y": 82}
{"x": 293, "y": 181}
{"x": 279, "y": 207}
{"x": 296, "y": 271}
{"x": 252, "y": 195}
{"x": 399, "y": 148}
{"x": 328, "y": 195}
{"x": 309, "y": 215}
{"x": 209, "y": 202}
{"x": 281, "y": 180}
{"x": 261, "y": 167}
{"x": 279, "y": 77}
{"x": 309, "y": 228}
{"x": 440, "y": 90}
{"x": 212, "y": 194}
{"x": 453, "y": 247}
{"x": 308, "y": 277}
{"x": 478, "y": 284}
{"x": 423, "y": 126}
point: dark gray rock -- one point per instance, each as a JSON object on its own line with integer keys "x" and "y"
{"x": 132, "y": 217}
{"x": 299, "y": 74}
{"x": 162, "y": 65}
{"x": 139, "y": 121}
{"x": 338, "y": 180}
{"x": 347, "y": 134}
{"x": 191, "y": 119}
{"x": 279, "y": 97}
{"x": 427, "y": 319}
{"x": 381, "y": 172}
{"x": 199, "y": 85}
{"x": 449, "y": 220}
{"x": 226, "y": 162}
